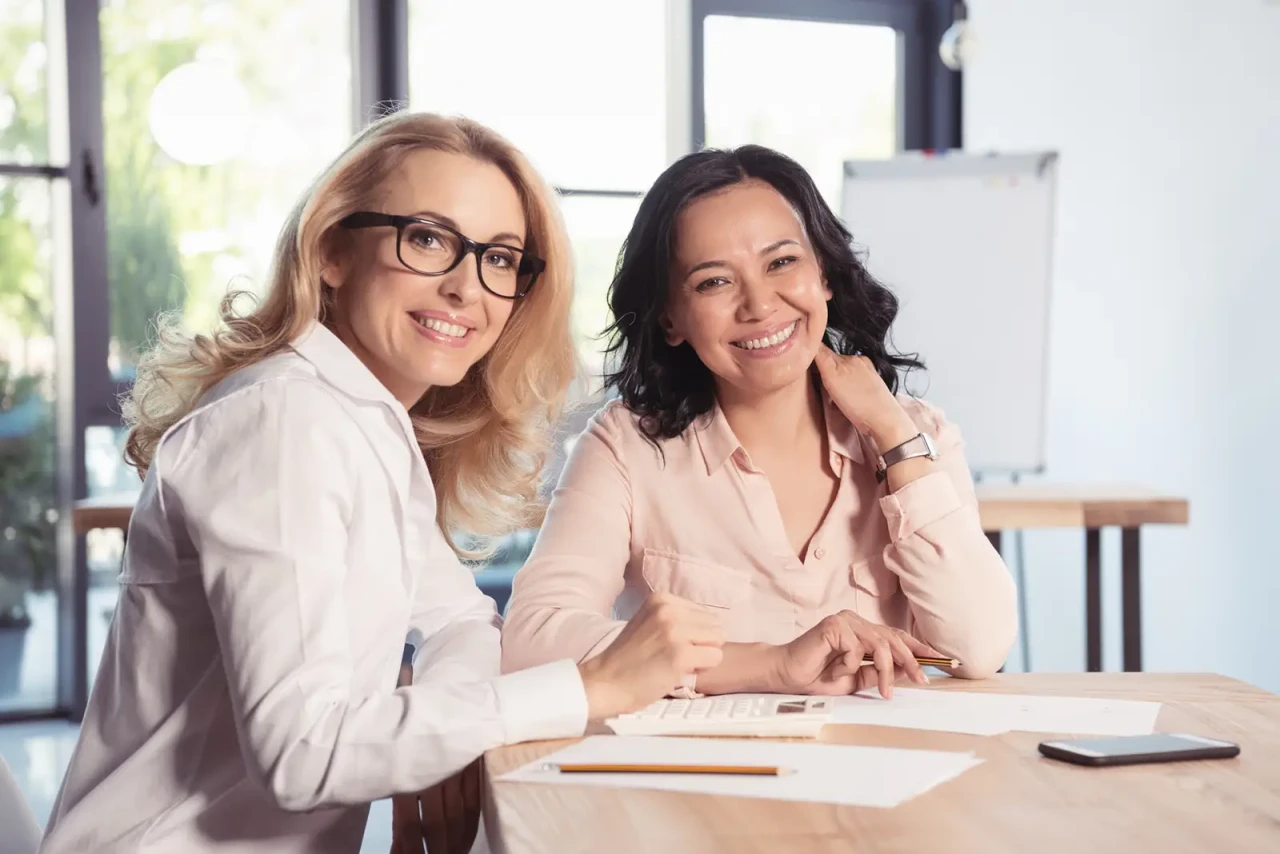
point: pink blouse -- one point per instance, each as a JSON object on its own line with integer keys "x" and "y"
{"x": 704, "y": 525}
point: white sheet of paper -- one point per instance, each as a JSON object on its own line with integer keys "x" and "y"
{"x": 1082, "y": 715}
{"x": 821, "y": 773}
{"x": 992, "y": 714}
{"x": 945, "y": 711}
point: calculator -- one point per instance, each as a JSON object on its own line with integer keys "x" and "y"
{"x": 736, "y": 715}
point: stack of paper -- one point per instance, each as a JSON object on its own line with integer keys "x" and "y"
{"x": 993, "y": 714}
{"x": 820, "y": 773}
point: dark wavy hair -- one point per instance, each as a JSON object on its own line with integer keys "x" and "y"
{"x": 668, "y": 387}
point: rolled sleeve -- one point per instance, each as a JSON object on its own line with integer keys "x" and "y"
{"x": 920, "y": 503}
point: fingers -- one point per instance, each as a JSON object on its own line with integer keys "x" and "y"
{"x": 683, "y": 620}
{"x": 882, "y": 654}
{"x": 906, "y": 658}
{"x": 919, "y": 647}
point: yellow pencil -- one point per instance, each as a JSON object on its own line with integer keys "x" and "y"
{"x": 604, "y": 768}
{"x": 932, "y": 662}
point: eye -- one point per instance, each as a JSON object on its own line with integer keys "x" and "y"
{"x": 500, "y": 259}
{"x": 784, "y": 261}
{"x": 710, "y": 284}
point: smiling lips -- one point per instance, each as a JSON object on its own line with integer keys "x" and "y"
{"x": 442, "y": 330}
{"x": 769, "y": 343}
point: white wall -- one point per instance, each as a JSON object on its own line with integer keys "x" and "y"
{"x": 1165, "y": 353}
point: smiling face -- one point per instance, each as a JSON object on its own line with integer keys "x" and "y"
{"x": 414, "y": 331}
{"x": 747, "y": 291}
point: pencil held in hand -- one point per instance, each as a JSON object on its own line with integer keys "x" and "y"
{"x": 922, "y": 661}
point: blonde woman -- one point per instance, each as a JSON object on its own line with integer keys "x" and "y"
{"x": 305, "y": 469}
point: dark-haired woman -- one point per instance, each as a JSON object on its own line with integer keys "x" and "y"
{"x": 759, "y": 462}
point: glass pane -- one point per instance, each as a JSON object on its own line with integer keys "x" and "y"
{"x": 821, "y": 93}
{"x": 28, "y": 490}
{"x": 212, "y": 131}
{"x": 597, "y": 227}
{"x": 588, "y": 110}
{"x": 24, "y": 136}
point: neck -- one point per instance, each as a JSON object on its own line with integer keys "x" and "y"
{"x": 775, "y": 422}
{"x": 406, "y": 392}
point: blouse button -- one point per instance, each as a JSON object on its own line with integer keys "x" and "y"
{"x": 818, "y": 553}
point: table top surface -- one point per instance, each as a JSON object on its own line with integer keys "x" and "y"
{"x": 1002, "y": 506}
{"x": 1014, "y": 801}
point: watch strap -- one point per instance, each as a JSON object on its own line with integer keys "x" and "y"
{"x": 919, "y": 445}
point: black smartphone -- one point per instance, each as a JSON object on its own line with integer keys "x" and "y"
{"x": 1136, "y": 749}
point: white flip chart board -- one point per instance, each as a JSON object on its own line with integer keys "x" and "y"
{"x": 966, "y": 242}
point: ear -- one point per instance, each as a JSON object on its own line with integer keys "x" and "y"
{"x": 674, "y": 338}
{"x": 332, "y": 274}
{"x": 826, "y": 290}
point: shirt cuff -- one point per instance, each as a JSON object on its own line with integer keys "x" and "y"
{"x": 543, "y": 702}
{"x": 924, "y": 500}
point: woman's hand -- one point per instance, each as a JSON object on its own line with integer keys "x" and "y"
{"x": 444, "y": 818}
{"x": 860, "y": 393}
{"x": 827, "y": 659}
{"x": 668, "y": 639}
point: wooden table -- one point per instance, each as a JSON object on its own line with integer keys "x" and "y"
{"x": 1016, "y": 801}
{"x": 1016, "y": 506}
{"x": 108, "y": 511}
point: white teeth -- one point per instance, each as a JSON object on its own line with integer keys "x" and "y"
{"x": 769, "y": 340}
{"x": 451, "y": 329}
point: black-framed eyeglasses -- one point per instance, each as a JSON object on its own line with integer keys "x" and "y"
{"x": 433, "y": 249}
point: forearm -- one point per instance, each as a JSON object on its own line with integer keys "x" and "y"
{"x": 537, "y": 634}
{"x": 961, "y": 596}
{"x": 746, "y": 668}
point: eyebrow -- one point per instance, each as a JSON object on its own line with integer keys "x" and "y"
{"x": 772, "y": 247}
{"x": 504, "y": 237}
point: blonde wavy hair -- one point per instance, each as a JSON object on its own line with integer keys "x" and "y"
{"x": 485, "y": 439}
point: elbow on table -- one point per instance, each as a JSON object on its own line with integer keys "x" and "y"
{"x": 983, "y": 649}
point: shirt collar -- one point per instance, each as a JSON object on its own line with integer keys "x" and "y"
{"x": 340, "y": 367}
{"x": 719, "y": 444}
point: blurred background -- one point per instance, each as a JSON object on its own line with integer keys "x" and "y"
{"x": 150, "y": 149}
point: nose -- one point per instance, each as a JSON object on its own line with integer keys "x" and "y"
{"x": 758, "y": 299}
{"x": 461, "y": 285}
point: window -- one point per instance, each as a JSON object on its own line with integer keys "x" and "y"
{"x": 578, "y": 85}
{"x": 820, "y": 92}
{"x": 589, "y": 110}
{"x": 212, "y": 129}
{"x": 211, "y": 133}
{"x": 823, "y": 81}
{"x": 28, "y": 369}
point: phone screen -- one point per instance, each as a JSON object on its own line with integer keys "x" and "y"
{"x": 1139, "y": 744}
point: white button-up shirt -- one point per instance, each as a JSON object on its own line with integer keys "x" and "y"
{"x": 284, "y": 545}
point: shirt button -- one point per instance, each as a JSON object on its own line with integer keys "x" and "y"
{"x": 818, "y": 553}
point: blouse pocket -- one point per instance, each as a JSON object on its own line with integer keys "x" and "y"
{"x": 694, "y": 579}
{"x": 872, "y": 577}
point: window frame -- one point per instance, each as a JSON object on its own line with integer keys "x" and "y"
{"x": 928, "y": 91}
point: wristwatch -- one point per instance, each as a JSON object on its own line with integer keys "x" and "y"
{"x": 920, "y": 446}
